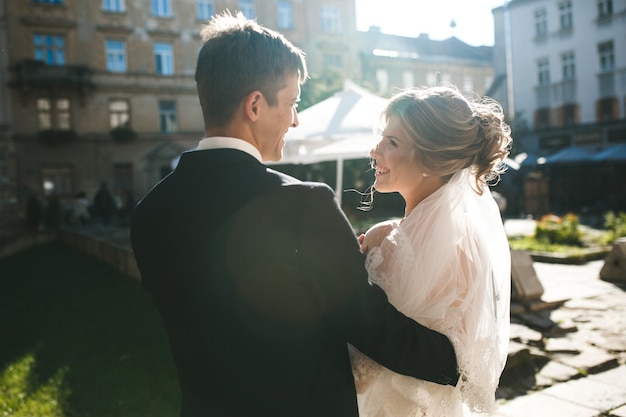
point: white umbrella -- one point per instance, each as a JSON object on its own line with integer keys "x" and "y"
{"x": 338, "y": 128}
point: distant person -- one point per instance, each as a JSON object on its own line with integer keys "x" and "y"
{"x": 259, "y": 277}
{"x": 52, "y": 213}
{"x": 34, "y": 213}
{"x": 446, "y": 264}
{"x": 104, "y": 204}
{"x": 81, "y": 208}
{"x": 127, "y": 204}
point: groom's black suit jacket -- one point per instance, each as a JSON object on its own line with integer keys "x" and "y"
{"x": 261, "y": 285}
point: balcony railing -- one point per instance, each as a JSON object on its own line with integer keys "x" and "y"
{"x": 35, "y": 74}
{"x": 556, "y": 94}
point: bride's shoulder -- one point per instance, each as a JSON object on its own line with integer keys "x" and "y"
{"x": 375, "y": 234}
{"x": 384, "y": 226}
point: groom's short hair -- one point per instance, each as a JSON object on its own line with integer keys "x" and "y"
{"x": 238, "y": 57}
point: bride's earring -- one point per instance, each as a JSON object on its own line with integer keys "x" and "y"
{"x": 424, "y": 174}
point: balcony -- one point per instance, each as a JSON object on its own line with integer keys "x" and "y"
{"x": 35, "y": 75}
{"x": 556, "y": 94}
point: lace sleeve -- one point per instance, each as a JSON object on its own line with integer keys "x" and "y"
{"x": 364, "y": 369}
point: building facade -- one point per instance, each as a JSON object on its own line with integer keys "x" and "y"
{"x": 8, "y": 176}
{"x": 565, "y": 61}
{"x": 389, "y": 62}
{"x": 104, "y": 92}
{"x": 564, "y": 66}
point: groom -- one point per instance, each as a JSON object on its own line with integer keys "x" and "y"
{"x": 258, "y": 277}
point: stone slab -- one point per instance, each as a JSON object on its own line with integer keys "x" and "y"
{"x": 618, "y": 412}
{"x": 538, "y": 321}
{"x": 525, "y": 284}
{"x": 614, "y": 377}
{"x": 522, "y": 334}
{"x": 589, "y": 393}
{"x": 542, "y": 305}
{"x": 586, "y": 304}
{"x": 614, "y": 268}
{"x": 561, "y": 345}
{"x": 517, "y": 308}
{"x": 539, "y": 404}
{"x": 590, "y": 359}
{"x": 559, "y": 372}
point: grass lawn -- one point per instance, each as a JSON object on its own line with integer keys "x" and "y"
{"x": 78, "y": 339}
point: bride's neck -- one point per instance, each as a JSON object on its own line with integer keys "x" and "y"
{"x": 420, "y": 192}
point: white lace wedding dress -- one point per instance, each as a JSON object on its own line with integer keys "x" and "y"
{"x": 447, "y": 266}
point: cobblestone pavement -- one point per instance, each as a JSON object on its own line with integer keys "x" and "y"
{"x": 569, "y": 357}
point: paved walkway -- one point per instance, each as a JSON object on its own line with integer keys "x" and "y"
{"x": 578, "y": 364}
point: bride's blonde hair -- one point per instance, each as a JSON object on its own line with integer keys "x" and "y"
{"x": 452, "y": 132}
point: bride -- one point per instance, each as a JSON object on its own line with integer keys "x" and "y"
{"x": 446, "y": 264}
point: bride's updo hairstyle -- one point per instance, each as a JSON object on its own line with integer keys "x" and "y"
{"x": 452, "y": 132}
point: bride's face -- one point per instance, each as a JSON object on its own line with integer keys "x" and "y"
{"x": 395, "y": 162}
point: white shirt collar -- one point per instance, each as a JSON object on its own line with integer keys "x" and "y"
{"x": 220, "y": 142}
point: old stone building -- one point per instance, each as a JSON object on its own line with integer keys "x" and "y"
{"x": 103, "y": 91}
{"x": 565, "y": 67}
{"x": 389, "y": 62}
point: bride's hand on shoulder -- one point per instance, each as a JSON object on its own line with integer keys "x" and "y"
{"x": 375, "y": 235}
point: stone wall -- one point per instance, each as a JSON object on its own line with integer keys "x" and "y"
{"x": 118, "y": 256}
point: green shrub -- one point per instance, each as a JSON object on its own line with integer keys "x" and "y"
{"x": 559, "y": 230}
{"x": 615, "y": 224}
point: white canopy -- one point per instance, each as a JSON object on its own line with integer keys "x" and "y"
{"x": 338, "y": 128}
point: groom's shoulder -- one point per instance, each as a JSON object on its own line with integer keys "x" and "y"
{"x": 293, "y": 184}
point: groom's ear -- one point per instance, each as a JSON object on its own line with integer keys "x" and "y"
{"x": 252, "y": 105}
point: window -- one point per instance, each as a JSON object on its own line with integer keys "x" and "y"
{"x": 330, "y": 19}
{"x": 568, "y": 114}
{"x": 115, "y": 56}
{"x": 607, "y": 56}
{"x": 49, "y": 49}
{"x": 605, "y": 8}
{"x": 468, "y": 83}
{"x": 382, "y": 78}
{"x": 162, "y": 8}
{"x": 432, "y": 79}
{"x": 488, "y": 81}
{"x": 541, "y": 23}
{"x": 116, "y": 6}
{"x": 247, "y": 8}
{"x": 408, "y": 79}
{"x": 164, "y": 59}
{"x": 565, "y": 15}
{"x": 167, "y": 116}
{"x": 285, "y": 15}
{"x": 205, "y": 9}
{"x": 48, "y": 1}
{"x": 543, "y": 71}
{"x": 542, "y": 118}
{"x": 53, "y": 114}
{"x": 569, "y": 66}
{"x": 119, "y": 113}
{"x": 44, "y": 114}
{"x": 333, "y": 61}
{"x": 58, "y": 181}
{"x": 607, "y": 110}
